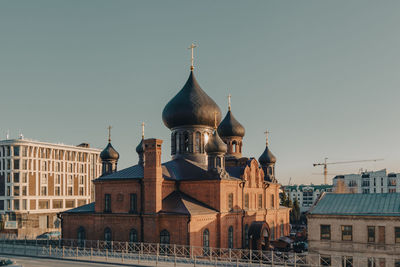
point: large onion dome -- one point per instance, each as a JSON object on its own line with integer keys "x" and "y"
{"x": 191, "y": 106}
{"x": 230, "y": 126}
{"x": 109, "y": 153}
{"x": 215, "y": 145}
{"x": 267, "y": 157}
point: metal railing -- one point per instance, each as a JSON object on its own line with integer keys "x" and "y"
{"x": 173, "y": 255}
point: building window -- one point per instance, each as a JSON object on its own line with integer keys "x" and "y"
{"x": 16, "y": 204}
{"x": 107, "y": 234}
{"x": 164, "y": 237}
{"x": 107, "y": 203}
{"x": 81, "y": 191}
{"x": 230, "y": 201}
{"x": 81, "y": 236}
{"x": 347, "y": 261}
{"x": 16, "y": 164}
{"x": 246, "y": 201}
{"x": 230, "y": 237}
{"x": 397, "y": 234}
{"x": 57, "y": 191}
{"x": 70, "y": 191}
{"x": 43, "y": 190}
{"x": 133, "y": 237}
{"x": 325, "y": 232}
{"x": 246, "y": 236}
{"x": 24, "y": 204}
{"x": 260, "y": 202}
{"x": 371, "y": 233}
{"x": 16, "y": 151}
{"x": 16, "y": 177}
{"x": 325, "y": 260}
{"x": 206, "y": 238}
{"x": 347, "y": 232}
{"x": 133, "y": 203}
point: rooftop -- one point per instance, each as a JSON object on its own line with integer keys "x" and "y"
{"x": 358, "y": 204}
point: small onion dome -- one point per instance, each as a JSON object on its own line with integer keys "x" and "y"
{"x": 139, "y": 148}
{"x": 267, "y": 157}
{"x": 230, "y": 126}
{"x": 191, "y": 106}
{"x": 109, "y": 153}
{"x": 215, "y": 145}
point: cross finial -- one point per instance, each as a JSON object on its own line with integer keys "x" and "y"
{"x": 229, "y": 101}
{"x": 142, "y": 130}
{"x": 191, "y": 47}
{"x": 266, "y": 136}
{"x": 109, "y": 133}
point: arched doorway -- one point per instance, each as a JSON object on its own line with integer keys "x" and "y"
{"x": 259, "y": 235}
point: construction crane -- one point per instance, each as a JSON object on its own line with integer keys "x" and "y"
{"x": 325, "y": 164}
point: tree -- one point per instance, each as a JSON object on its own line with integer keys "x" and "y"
{"x": 295, "y": 213}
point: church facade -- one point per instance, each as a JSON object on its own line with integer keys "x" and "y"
{"x": 207, "y": 195}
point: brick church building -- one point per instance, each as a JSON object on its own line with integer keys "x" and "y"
{"x": 207, "y": 195}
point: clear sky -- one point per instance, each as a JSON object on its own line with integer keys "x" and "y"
{"x": 321, "y": 76}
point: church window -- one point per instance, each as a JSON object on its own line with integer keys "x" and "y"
{"x": 234, "y": 146}
{"x": 133, "y": 203}
{"x": 246, "y": 236}
{"x": 186, "y": 142}
{"x": 133, "y": 237}
{"x": 206, "y": 238}
{"x": 107, "y": 203}
{"x": 81, "y": 236}
{"x": 173, "y": 144}
{"x": 230, "y": 237}
{"x": 107, "y": 234}
{"x": 197, "y": 142}
{"x": 164, "y": 237}
{"x": 282, "y": 228}
{"x": 177, "y": 142}
{"x": 272, "y": 231}
{"x": 272, "y": 201}
{"x": 230, "y": 201}
{"x": 246, "y": 201}
{"x": 260, "y": 202}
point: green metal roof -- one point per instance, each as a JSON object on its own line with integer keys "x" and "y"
{"x": 358, "y": 204}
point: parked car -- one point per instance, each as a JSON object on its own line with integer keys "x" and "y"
{"x": 50, "y": 235}
{"x": 9, "y": 263}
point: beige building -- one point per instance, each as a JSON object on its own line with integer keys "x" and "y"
{"x": 38, "y": 180}
{"x": 359, "y": 229}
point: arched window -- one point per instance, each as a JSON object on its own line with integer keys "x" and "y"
{"x": 246, "y": 236}
{"x": 235, "y": 146}
{"x": 230, "y": 201}
{"x": 164, "y": 237}
{"x": 107, "y": 234}
{"x": 197, "y": 142}
{"x": 173, "y": 145}
{"x": 246, "y": 201}
{"x": 186, "y": 142}
{"x": 230, "y": 237}
{"x": 272, "y": 201}
{"x": 177, "y": 143}
{"x": 206, "y": 238}
{"x": 81, "y": 236}
{"x": 272, "y": 231}
{"x": 133, "y": 237}
{"x": 282, "y": 229}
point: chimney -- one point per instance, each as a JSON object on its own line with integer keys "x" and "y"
{"x": 152, "y": 179}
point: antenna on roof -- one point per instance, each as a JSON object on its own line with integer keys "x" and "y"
{"x": 8, "y": 134}
{"x": 21, "y": 136}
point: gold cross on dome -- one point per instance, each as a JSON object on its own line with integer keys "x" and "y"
{"x": 191, "y": 47}
{"x": 109, "y": 133}
{"x": 142, "y": 130}
{"x": 266, "y": 136}
{"x": 229, "y": 101}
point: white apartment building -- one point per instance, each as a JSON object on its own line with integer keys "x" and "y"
{"x": 38, "y": 180}
{"x": 306, "y": 195}
{"x": 367, "y": 182}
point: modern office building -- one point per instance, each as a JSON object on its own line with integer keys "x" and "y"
{"x": 355, "y": 229}
{"x": 367, "y": 182}
{"x": 38, "y": 180}
{"x": 306, "y": 195}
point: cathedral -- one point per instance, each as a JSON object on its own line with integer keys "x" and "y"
{"x": 207, "y": 195}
